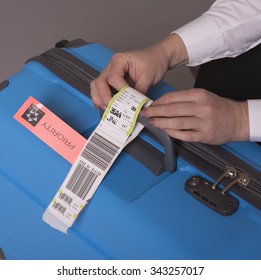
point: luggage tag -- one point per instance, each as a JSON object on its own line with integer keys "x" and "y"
{"x": 117, "y": 128}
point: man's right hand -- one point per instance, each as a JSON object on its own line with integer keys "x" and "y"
{"x": 139, "y": 69}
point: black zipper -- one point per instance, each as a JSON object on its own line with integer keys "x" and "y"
{"x": 69, "y": 66}
{"x": 212, "y": 160}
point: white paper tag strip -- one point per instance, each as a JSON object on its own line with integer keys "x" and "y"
{"x": 117, "y": 128}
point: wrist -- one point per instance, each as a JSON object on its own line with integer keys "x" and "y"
{"x": 171, "y": 52}
{"x": 175, "y": 50}
{"x": 242, "y": 122}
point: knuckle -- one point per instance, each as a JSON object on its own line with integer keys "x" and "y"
{"x": 112, "y": 80}
{"x": 178, "y": 123}
{"x": 168, "y": 98}
{"x": 93, "y": 84}
{"x": 202, "y": 94}
{"x": 150, "y": 112}
{"x": 118, "y": 57}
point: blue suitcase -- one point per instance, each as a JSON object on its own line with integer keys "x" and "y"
{"x": 140, "y": 211}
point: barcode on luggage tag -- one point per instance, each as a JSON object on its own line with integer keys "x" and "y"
{"x": 66, "y": 198}
{"x": 81, "y": 180}
{"x": 57, "y": 206}
{"x": 100, "y": 151}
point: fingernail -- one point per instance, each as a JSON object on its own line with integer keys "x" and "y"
{"x": 144, "y": 113}
{"x": 151, "y": 121}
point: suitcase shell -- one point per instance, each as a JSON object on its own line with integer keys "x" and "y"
{"x": 134, "y": 213}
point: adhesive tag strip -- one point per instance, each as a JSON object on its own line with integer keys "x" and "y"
{"x": 116, "y": 129}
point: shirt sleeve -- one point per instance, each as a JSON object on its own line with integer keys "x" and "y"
{"x": 254, "y": 112}
{"x": 227, "y": 29}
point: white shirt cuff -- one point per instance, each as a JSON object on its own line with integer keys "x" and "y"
{"x": 227, "y": 29}
{"x": 202, "y": 39}
{"x": 254, "y": 112}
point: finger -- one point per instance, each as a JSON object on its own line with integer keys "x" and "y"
{"x": 124, "y": 71}
{"x": 142, "y": 85}
{"x": 118, "y": 68}
{"x": 117, "y": 82}
{"x": 100, "y": 92}
{"x": 95, "y": 96}
{"x": 186, "y": 135}
{"x": 112, "y": 75}
{"x": 177, "y": 96}
{"x": 180, "y": 123}
{"x": 179, "y": 109}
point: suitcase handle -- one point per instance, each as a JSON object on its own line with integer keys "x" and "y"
{"x": 166, "y": 141}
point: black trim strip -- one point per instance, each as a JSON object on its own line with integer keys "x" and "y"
{"x": 68, "y": 68}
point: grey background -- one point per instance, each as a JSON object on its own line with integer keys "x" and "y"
{"x": 29, "y": 27}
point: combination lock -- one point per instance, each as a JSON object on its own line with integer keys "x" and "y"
{"x": 211, "y": 195}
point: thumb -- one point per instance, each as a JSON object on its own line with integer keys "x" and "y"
{"x": 142, "y": 85}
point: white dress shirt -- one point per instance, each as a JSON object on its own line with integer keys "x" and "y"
{"x": 228, "y": 29}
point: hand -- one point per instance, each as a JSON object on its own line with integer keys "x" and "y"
{"x": 198, "y": 115}
{"x": 139, "y": 69}
{"x": 136, "y": 69}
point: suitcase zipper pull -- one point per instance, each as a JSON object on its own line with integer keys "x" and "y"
{"x": 242, "y": 179}
{"x": 229, "y": 171}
